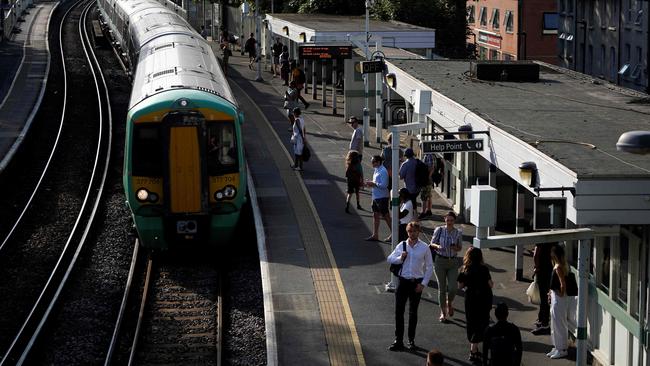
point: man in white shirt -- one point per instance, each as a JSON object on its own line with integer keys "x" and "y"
{"x": 356, "y": 141}
{"x": 417, "y": 268}
{"x": 380, "y": 194}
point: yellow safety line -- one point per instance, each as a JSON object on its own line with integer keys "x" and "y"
{"x": 335, "y": 268}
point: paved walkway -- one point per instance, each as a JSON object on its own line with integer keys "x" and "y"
{"x": 27, "y": 61}
{"x": 361, "y": 265}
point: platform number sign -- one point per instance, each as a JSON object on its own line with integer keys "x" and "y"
{"x": 549, "y": 213}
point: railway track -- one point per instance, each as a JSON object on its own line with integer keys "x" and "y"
{"x": 180, "y": 318}
{"x": 27, "y": 336}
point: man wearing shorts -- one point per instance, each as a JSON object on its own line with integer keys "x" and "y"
{"x": 276, "y": 50}
{"x": 380, "y": 197}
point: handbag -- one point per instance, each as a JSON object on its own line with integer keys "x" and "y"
{"x": 571, "y": 285}
{"x": 533, "y": 293}
{"x": 396, "y": 269}
{"x": 306, "y": 153}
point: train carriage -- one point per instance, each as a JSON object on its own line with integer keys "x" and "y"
{"x": 184, "y": 172}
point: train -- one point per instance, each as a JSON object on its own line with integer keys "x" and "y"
{"x": 184, "y": 171}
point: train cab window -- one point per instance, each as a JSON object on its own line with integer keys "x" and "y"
{"x": 147, "y": 154}
{"x": 222, "y": 148}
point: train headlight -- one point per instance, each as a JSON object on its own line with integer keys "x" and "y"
{"x": 153, "y": 197}
{"x": 142, "y": 195}
{"x": 229, "y": 191}
{"x": 218, "y": 195}
{"x": 184, "y": 102}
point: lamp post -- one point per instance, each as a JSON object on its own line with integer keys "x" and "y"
{"x": 257, "y": 44}
{"x": 635, "y": 142}
{"x": 366, "y": 113}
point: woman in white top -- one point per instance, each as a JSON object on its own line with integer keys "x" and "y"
{"x": 447, "y": 241}
{"x": 298, "y": 139}
{"x": 405, "y": 213}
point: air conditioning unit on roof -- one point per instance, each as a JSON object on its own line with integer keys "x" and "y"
{"x": 522, "y": 71}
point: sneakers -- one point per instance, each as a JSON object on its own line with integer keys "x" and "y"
{"x": 551, "y": 353}
{"x": 411, "y": 346}
{"x": 558, "y": 354}
{"x": 425, "y": 214}
{"x": 542, "y": 330}
{"x": 396, "y": 346}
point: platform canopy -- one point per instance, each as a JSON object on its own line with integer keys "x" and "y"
{"x": 321, "y": 28}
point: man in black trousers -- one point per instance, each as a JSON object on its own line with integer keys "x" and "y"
{"x": 543, "y": 271}
{"x": 502, "y": 342}
{"x": 417, "y": 268}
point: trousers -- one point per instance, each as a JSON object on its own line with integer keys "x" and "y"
{"x": 446, "y": 270}
{"x": 559, "y": 319}
{"x": 406, "y": 292}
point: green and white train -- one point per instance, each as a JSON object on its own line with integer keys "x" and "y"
{"x": 184, "y": 168}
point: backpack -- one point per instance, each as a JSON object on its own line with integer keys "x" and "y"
{"x": 422, "y": 178}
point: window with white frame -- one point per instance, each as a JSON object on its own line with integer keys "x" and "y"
{"x": 550, "y": 22}
{"x": 470, "y": 14}
{"x": 508, "y": 21}
{"x": 495, "y": 18}
{"x": 483, "y": 16}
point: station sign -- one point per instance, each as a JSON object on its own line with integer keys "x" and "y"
{"x": 371, "y": 67}
{"x": 549, "y": 213}
{"x": 324, "y": 52}
{"x": 451, "y": 146}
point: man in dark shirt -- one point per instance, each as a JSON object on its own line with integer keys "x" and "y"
{"x": 543, "y": 270}
{"x": 502, "y": 341}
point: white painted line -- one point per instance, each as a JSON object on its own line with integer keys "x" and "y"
{"x": 269, "y": 314}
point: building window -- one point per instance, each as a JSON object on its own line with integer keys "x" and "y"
{"x": 636, "y": 71}
{"x": 470, "y": 14}
{"x": 550, "y": 23}
{"x": 495, "y": 18}
{"x": 603, "y": 57}
{"x": 590, "y": 60}
{"x": 494, "y": 55}
{"x": 509, "y": 22}
{"x": 508, "y": 57}
{"x": 483, "y": 53}
{"x": 483, "y": 16}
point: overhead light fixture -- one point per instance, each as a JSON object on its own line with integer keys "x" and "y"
{"x": 285, "y": 30}
{"x": 468, "y": 132}
{"x": 635, "y": 142}
{"x": 391, "y": 80}
{"x": 303, "y": 37}
{"x": 528, "y": 173}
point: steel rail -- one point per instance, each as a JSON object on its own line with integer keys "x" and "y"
{"x": 143, "y": 305}
{"x": 26, "y": 338}
{"x": 120, "y": 316}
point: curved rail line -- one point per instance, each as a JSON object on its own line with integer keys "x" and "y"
{"x": 33, "y": 325}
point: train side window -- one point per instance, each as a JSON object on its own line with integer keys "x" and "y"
{"x": 147, "y": 158}
{"x": 222, "y": 148}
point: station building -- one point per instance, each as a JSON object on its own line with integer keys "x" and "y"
{"x": 554, "y": 139}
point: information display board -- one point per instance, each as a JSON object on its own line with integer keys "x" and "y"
{"x": 324, "y": 52}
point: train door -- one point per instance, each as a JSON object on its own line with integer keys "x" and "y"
{"x": 185, "y": 167}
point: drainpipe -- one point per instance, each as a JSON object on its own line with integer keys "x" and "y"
{"x": 520, "y": 7}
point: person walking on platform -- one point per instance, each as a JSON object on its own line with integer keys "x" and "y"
{"x": 542, "y": 276}
{"x": 407, "y": 173}
{"x": 354, "y": 178}
{"x": 225, "y": 56}
{"x": 387, "y": 155}
{"x": 356, "y": 141}
{"x": 502, "y": 341}
{"x": 285, "y": 65}
{"x": 298, "y": 75}
{"x": 475, "y": 278}
{"x": 426, "y": 191}
{"x": 276, "y": 50}
{"x": 298, "y": 139}
{"x": 417, "y": 268}
{"x": 379, "y": 184}
{"x": 405, "y": 213}
{"x": 446, "y": 241}
{"x": 290, "y": 102}
{"x": 251, "y": 47}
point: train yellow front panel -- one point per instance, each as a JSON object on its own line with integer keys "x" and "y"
{"x": 184, "y": 170}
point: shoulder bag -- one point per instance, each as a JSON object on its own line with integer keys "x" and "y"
{"x": 306, "y": 153}
{"x": 396, "y": 269}
{"x": 571, "y": 284}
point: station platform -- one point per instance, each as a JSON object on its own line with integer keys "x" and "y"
{"x": 326, "y": 282}
{"x": 25, "y": 62}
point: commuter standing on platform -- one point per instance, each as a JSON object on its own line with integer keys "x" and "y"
{"x": 407, "y": 173}
{"x": 298, "y": 139}
{"x": 356, "y": 141}
{"x": 426, "y": 191}
{"x": 543, "y": 270}
{"x": 298, "y": 75}
{"x": 502, "y": 341}
{"x": 405, "y": 213}
{"x": 560, "y": 302}
{"x": 417, "y": 268}
{"x": 354, "y": 178}
{"x": 285, "y": 65}
{"x": 446, "y": 241}
{"x": 380, "y": 196}
{"x": 276, "y": 51}
{"x": 290, "y": 102}
{"x": 475, "y": 278}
